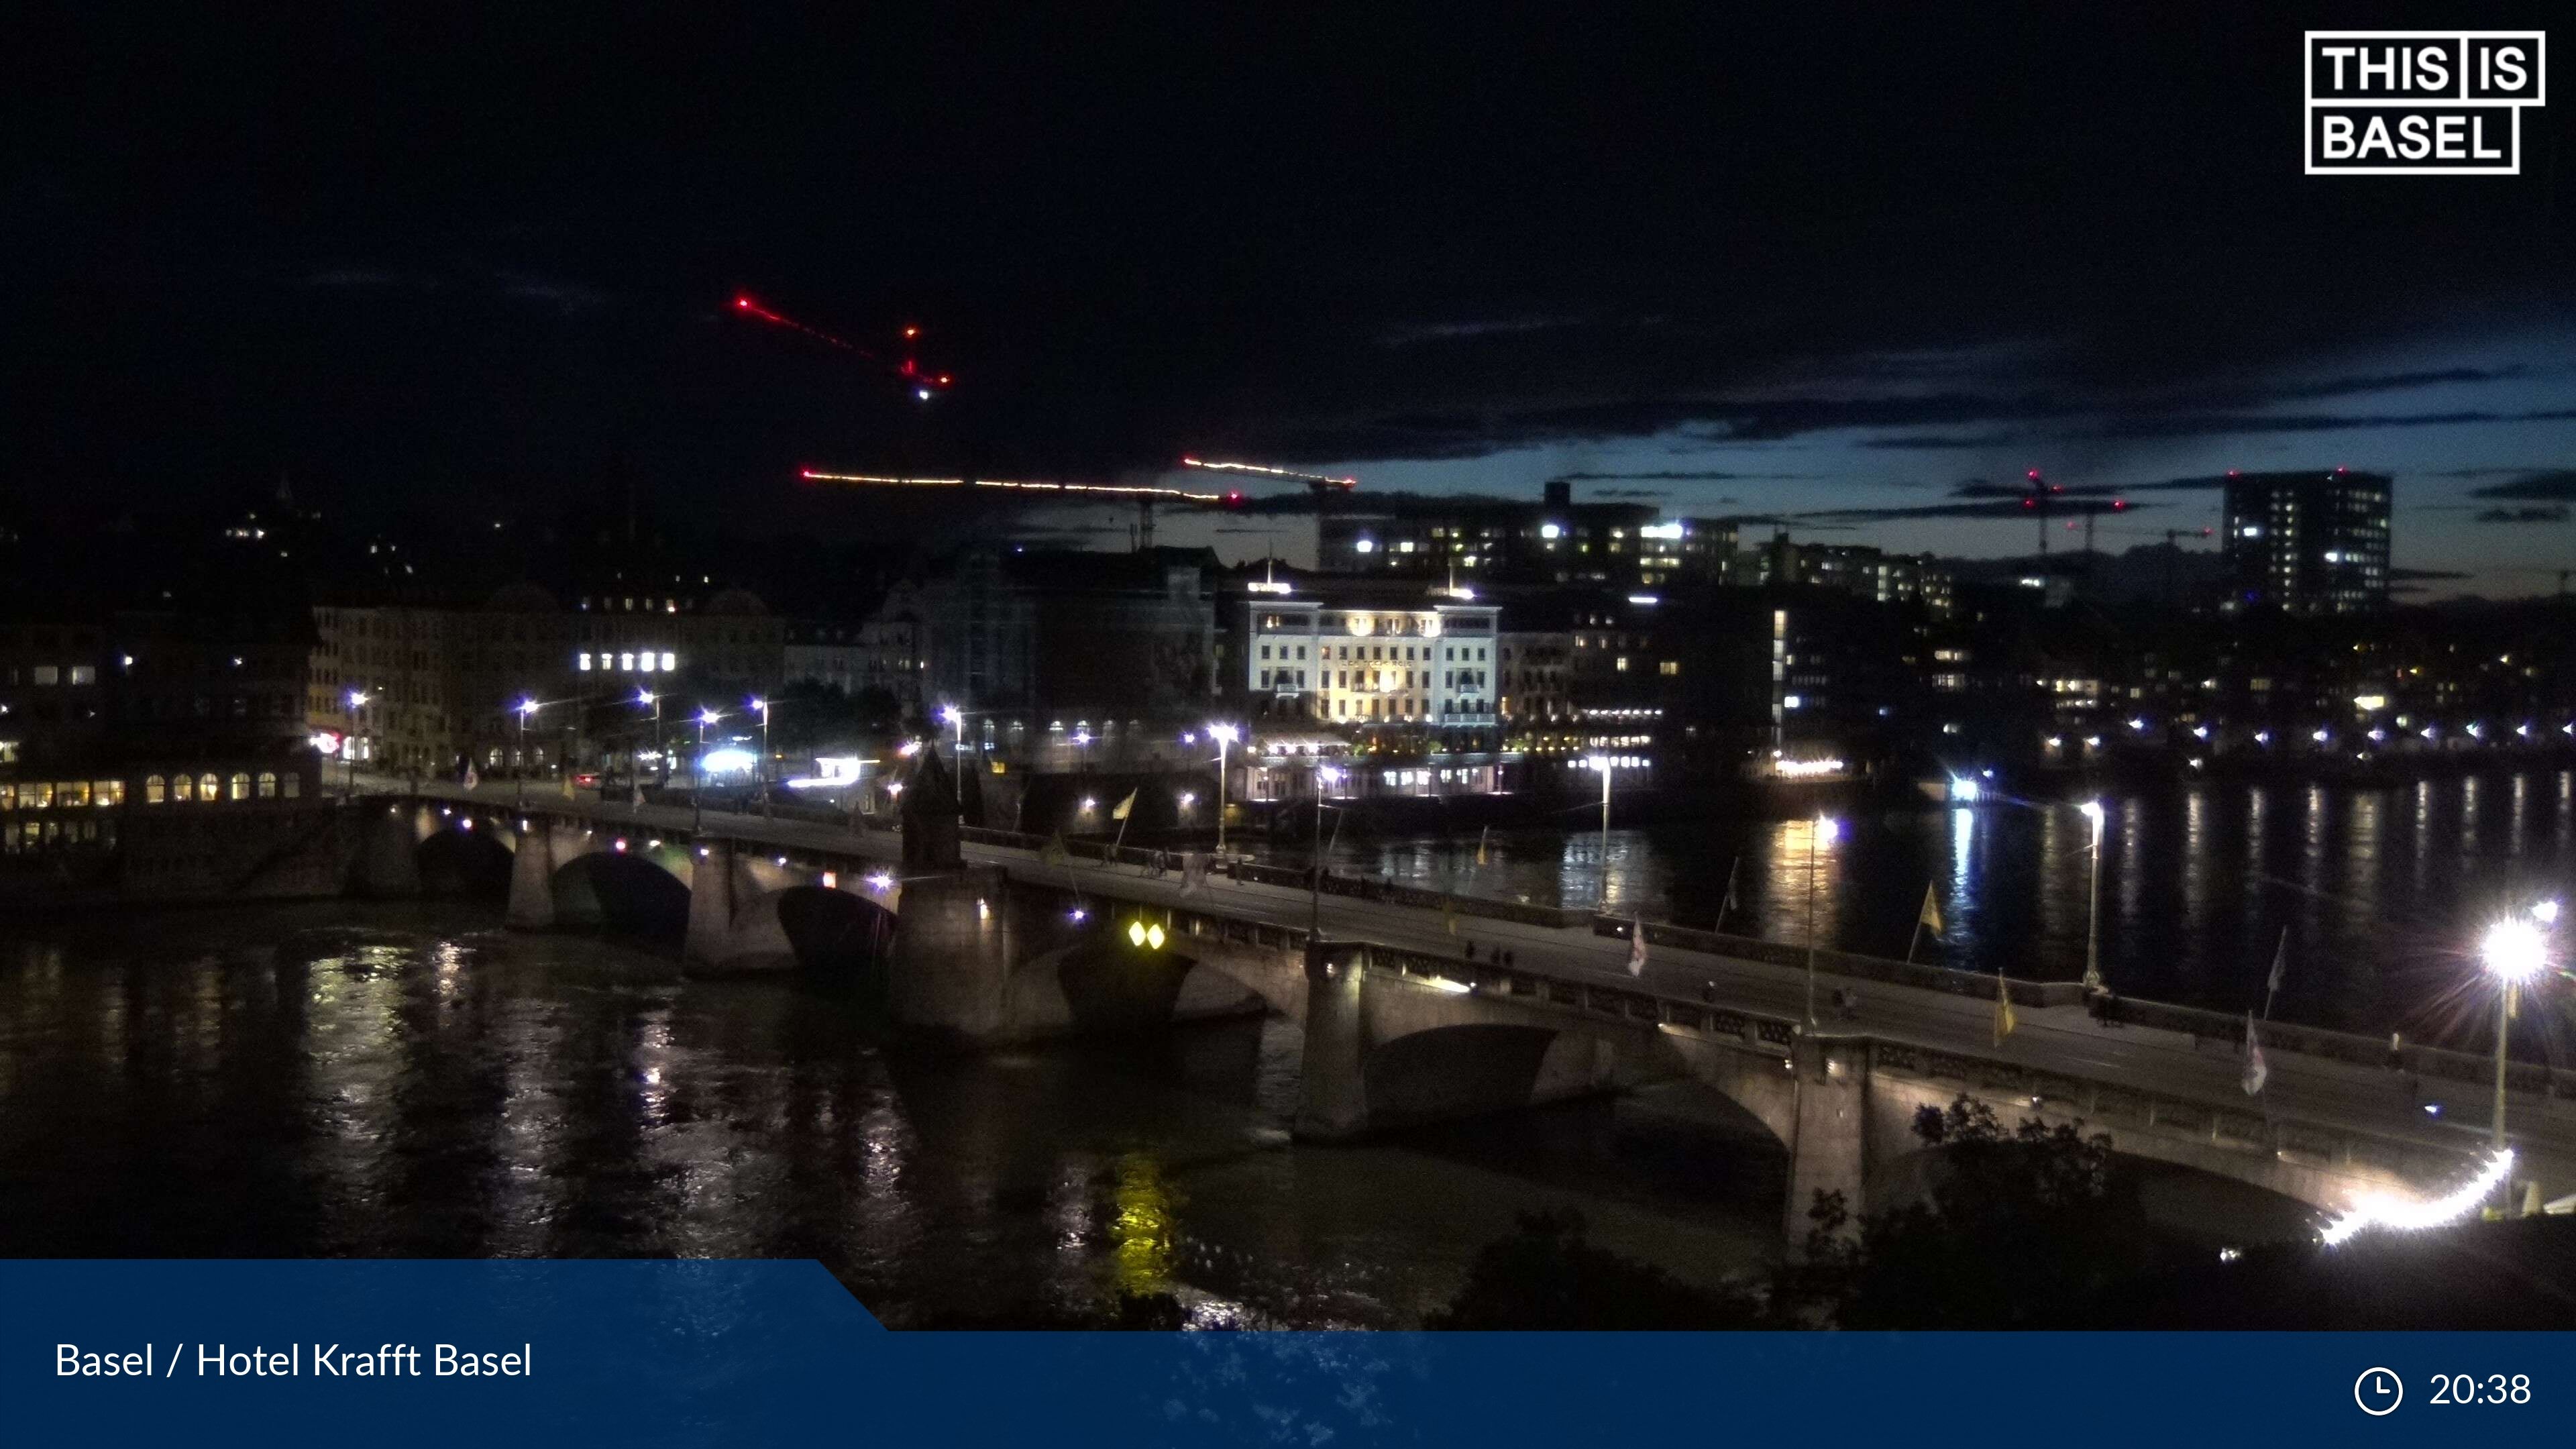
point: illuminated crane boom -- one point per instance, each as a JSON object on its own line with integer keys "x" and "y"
{"x": 1318, "y": 481}
{"x": 1143, "y": 495}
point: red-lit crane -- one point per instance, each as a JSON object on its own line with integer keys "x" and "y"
{"x": 925, "y": 383}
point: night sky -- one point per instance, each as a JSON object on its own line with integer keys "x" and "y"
{"x": 1835, "y": 260}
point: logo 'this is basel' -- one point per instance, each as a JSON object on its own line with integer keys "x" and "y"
{"x": 2421, "y": 102}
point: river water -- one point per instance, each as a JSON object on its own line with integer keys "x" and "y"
{"x": 2381, "y": 892}
{"x": 341, "y": 1079}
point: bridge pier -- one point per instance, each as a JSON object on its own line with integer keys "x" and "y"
{"x": 532, "y": 879}
{"x": 711, "y": 882}
{"x": 1828, "y": 1146}
{"x": 386, "y": 864}
{"x": 950, "y": 970}
{"x": 1332, "y": 1088}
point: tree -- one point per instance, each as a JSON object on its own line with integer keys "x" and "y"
{"x": 1546, "y": 1276}
{"x": 2023, "y": 1229}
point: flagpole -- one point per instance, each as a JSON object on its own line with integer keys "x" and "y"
{"x": 2272, "y": 986}
{"x": 1917, "y": 938}
{"x": 1727, "y": 903}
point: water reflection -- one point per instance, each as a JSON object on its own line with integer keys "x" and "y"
{"x": 2376, "y": 888}
{"x": 427, "y": 1086}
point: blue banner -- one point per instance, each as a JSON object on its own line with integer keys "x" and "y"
{"x": 682, "y": 1353}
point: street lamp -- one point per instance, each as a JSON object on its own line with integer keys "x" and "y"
{"x": 527, "y": 708}
{"x": 1826, "y": 831}
{"x": 1224, "y": 735}
{"x": 763, "y": 706}
{"x": 955, "y": 719}
{"x": 2515, "y": 951}
{"x": 2093, "y": 904}
{"x": 1315, "y": 883}
{"x": 349, "y": 746}
{"x": 698, "y": 785}
{"x": 662, "y": 762}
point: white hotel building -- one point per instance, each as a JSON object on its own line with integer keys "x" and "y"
{"x": 1430, "y": 667}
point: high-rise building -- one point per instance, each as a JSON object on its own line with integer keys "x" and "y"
{"x": 2307, "y": 543}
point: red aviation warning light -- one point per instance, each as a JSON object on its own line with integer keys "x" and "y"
{"x": 924, "y": 385}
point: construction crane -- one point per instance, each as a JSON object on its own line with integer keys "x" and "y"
{"x": 1144, "y": 496}
{"x": 925, "y": 383}
{"x": 2041, "y": 499}
{"x": 1321, "y": 484}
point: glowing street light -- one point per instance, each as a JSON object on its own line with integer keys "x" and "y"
{"x": 661, "y": 758}
{"x": 955, "y": 719}
{"x": 349, "y": 745}
{"x": 763, "y": 706}
{"x": 698, "y": 786}
{"x": 1826, "y": 831}
{"x": 1224, "y": 735}
{"x": 2093, "y": 904}
{"x": 527, "y": 710}
{"x": 2515, "y": 951}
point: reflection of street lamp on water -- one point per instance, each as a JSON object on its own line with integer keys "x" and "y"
{"x": 2093, "y": 906}
{"x": 1824, "y": 832}
{"x": 2515, "y": 951}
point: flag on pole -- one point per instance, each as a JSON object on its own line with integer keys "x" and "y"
{"x": 1480, "y": 845}
{"x": 567, "y": 785}
{"x": 1449, "y": 914}
{"x": 1119, "y": 810}
{"x": 2005, "y": 1021}
{"x": 1727, "y": 906}
{"x": 1193, "y": 872}
{"x": 638, "y": 799}
{"x": 472, "y": 780}
{"x": 1053, "y": 852}
{"x": 1929, "y": 918}
{"x": 2256, "y": 1070}
{"x": 1637, "y": 947}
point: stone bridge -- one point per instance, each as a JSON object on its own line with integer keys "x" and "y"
{"x": 984, "y": 957}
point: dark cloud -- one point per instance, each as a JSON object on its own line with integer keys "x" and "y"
{"x": 2552, "y": 485}
{"x": 1680, "y": 475}
{"x": 2535, "y": 513}
{"x": 2424, "y": 576}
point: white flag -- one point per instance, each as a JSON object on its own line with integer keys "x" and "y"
{"x": 1193, "y": 871}
{"x": 1637, "y": 948}
{"x": 472, "y": 780}
{"x": 2280, "y": 964}
{"x": 2256, "y": 1072}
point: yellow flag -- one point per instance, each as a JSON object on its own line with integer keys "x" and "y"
{"x": 1119, "y": 810}
{"x": 1480, "y": 843}
{"x": 1931, "y": 913}
{"x": 1053, "y": 852}
{"x": 2004, "y": 1019}
{"x": 1449, "y": 914}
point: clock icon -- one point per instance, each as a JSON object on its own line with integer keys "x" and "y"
{"x": 2378, "y": 1392}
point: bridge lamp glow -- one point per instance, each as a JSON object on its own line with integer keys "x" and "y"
{"x": 1089, "y": 804}
{"x": 1828, "y": 829}
{"x": 1224, "y": 734}
{"x": 881, "y": 881}
{"x": 2381, "y": 1211}
{"x": 2546, "y": 913}
{"x": 643, "y": 696}
{"x": 2200, "y": 732}
{"x": 1078, "y": 915}
{"x": 527, "y": 706}
{"x": 2093, "y": 811}
{"x": 1964, "y": 791}
{"x": 357, "y": 697}
{"x": 1188, "y": 799}
{"x": 951, "y": 716}
{"x": 2514, "y": 950}
{"x": 621, "y": 847}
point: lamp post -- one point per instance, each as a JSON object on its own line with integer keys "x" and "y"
{"x": 1224, "y": 735}
{"x": 2515, "y": 951}
{"x": 698, "y": 773}
{"x": 1601, "y": 763}
{"x": 955, "y": 719}
{"x": 763, "y": 706}
{"x": 527, "y": 708}
{"x": 349, "y": 746}
{"x": 1826, "y": 830}
{"x": 1315, "y": 883}
{"x": 2093, "y": 904}
{"x": 661, "y": 761}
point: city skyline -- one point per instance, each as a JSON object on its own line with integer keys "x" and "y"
{"x": 1633, "y": 258}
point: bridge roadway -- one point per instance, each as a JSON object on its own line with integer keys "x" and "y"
{"x": 2063, "y": 1039}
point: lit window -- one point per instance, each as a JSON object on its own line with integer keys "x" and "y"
{"x": 46, "y": 674}
{"x": 183, "y": 788}
{"x": 268, "y": 784}
{"x": 84, "y": 674}
{"x": 209, "y": 788}
{"x": 585, "y": 659}
{"x": 155, "y": 790}
{"x": 667, "y": 664}
{"x": 241, "y": 784}
{"x": 626, "y": 662}
{"x": 294, "y": 786}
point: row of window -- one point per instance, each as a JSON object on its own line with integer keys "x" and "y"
{"x": 208, "y": 787}
{"x": 50, "y": 675}
{"x": 632, "y": 662}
